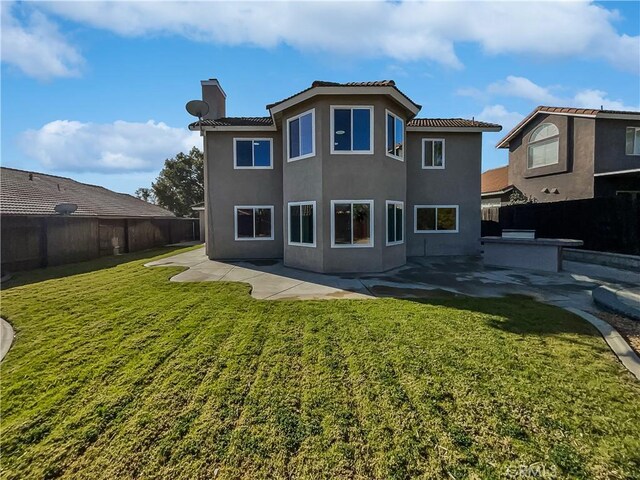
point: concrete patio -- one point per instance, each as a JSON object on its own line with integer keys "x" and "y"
{"x": 421, "y": 277}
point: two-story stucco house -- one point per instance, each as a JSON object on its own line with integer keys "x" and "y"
{"x": 558, "y": 153}
{"x": 340, "y": 177}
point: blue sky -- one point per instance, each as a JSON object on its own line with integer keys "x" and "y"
{"x": 96, "y": 90}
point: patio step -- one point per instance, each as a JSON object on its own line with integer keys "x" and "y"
{"x": 625, "y": 301}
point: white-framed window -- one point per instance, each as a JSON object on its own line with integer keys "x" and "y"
{"x": 395, "y": 136}
{"x": 253, "y": 222}
{"x": 352, "y": 129}
{"x": 544, "y": 144}
{"x": 395, "y": 222}
{"x": 351, "y": 223}
{"x": 302, "y": 223}
{"x": 301, "y": 137}
{"x": 435, "y": 219}
{"x": 433, "y": 153}
{"x": 632, "y": 146}
{"x": 252, "y": 153}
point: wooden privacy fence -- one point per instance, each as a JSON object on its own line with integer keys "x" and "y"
{"x": 31, "y": 242}
{"x": 609, "y": 224}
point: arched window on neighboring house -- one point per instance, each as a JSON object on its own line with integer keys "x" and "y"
{"x": 543, "y": 146}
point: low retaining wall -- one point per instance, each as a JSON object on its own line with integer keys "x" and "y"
{"x": 616, "y": 260}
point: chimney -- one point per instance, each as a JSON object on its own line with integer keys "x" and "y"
{"x": 213, "y": 94}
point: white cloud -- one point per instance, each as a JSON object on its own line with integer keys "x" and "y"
{"x": 107, "y": 148}
{"x": 500, "y": 115}
{"x": 35, "y": 46}
{"x": 403, "y": 31}
{"x": 521, "y": 87}
{"x": 598, "y": 98}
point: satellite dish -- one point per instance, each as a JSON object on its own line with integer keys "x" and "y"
{"x": 65, "y": 208}
{"x": 197, "y": 108}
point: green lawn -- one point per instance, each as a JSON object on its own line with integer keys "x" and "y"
{"x": 118, "y": 373}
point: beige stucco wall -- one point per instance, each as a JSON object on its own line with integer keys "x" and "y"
{"x": 341, "y": 176}
{"x": 227, "y": 187}
{"x": 457, "y": 184}
{"x": 326, "y": 177}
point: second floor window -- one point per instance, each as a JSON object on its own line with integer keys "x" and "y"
{"x": 432, "y": 153}
{"x": 633, "y": 141}
{"x": 300, "y": 136}
{"x": 395, "y": 136}
{"x": 352, "y": 129}
{"x": 252, "y": 153}
{"x": 543, "y": 146}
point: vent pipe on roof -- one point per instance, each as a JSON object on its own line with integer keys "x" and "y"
{"x": 31, "y": 177}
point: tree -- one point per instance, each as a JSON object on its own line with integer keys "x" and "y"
{"x": 179, "y": 185}
{"x": 519, "y": 198}
{"x": 146, "y": 194}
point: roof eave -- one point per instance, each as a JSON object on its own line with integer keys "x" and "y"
{"x": 497, "y": 192}
{"x": 455, "y": 129}
{"x": 233, "y": 128}
{"x": 619, "y": 116}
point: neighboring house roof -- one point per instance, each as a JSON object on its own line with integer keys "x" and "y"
{"x": 31, "y": 193}
{"x": 495, "y": 181}
{"x": 451, "y": 124}
{"x": 570, "y": 111}
{"x": 324, "y": 84}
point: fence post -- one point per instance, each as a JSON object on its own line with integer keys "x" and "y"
{"x": 44, "y": 240}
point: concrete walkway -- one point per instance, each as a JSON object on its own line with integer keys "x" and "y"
{"x": 6, "y": 337}
{"x": 270, "y": 280}
{"x": 421, "y": 277}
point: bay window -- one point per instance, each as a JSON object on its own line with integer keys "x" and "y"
{"x": 351, "y": 223}
{"x": 301, "y": 141}
{"x": 351, "y": 129}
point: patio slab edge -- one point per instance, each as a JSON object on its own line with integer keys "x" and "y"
{"x": 618, "y": 345}
{"x": 6, "y": 337}
{"x": 608, "y": 299}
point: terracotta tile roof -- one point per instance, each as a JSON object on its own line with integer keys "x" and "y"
{"x": 495, "y": 180}
{"x": 450, "y": 123}
{"x": 321, "y": 83}
{"x": 592, "y": 112}
{"x": 235, "y": 122}
{"x": 31, "y": 193}
{"x": 581, "y": 111}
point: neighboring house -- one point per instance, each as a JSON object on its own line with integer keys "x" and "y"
{"x": 103, "y": 223}
{"x": 495, "y": 188}
{"x": 560, "y": 153}
{"x": 340, "y": 177}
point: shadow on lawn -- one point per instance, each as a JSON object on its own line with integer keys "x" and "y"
{"x": 60, "y": 271}
{"x": 518, "y": 314}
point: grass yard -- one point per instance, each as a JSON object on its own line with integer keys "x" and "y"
{"x": 117, "y": 373}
